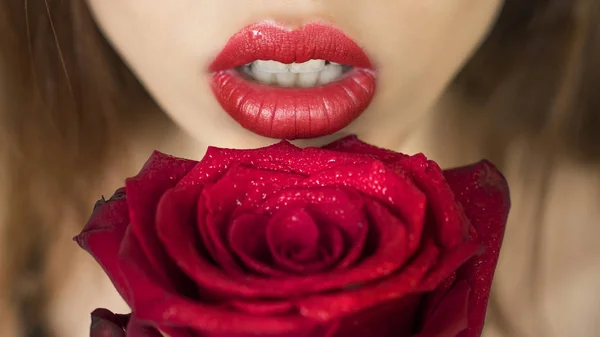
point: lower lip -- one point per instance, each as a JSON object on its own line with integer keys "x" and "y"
{"x": 294, "y": 113}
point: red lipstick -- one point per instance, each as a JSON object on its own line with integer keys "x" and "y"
{"x": 292, "y": 113}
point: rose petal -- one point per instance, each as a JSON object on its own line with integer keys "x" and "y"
{"x": 383, "y": 184}
{"x": 179, "y": 242}
{"x": 263, "y": 308}
{"x": 159, "y": 293}
{"x": 292, "y": 232}
{"x": 107, "y": 324}
{"x": 229, "y": 196}
{"x": 433, "y": 299}
{"x": 131, "y": 256}
{"x": 333, "y": 242}
{"x": 176, "y": 332}
{"x": 389, "y": 243}
{"x": 280, "y": 157}
{"x": 449, "y": 262}
{"x": 313, "y": 160}
{"x": 450, "y": 318}
{"x": 144, "y": 191}
{"x": 340, "y": 207}
{"x": 392, "y": 244}
{"x": 163, "y": 307}
{"x": 107, "y": 315}
{"x": 103, "y": 328}
{"x": 351, "y": 144}
{"x": 102, "y": 236}
{"x": 208, "y": 170}
{"x": 213, "y": 280}
{"x": 248, "y": 242}
{"x": 138, "y": 329}
{"x": 362, "y": 296}
{"x": 483, "y": 193}
{"x": 414, "y": 278}
{"x": 451, "y": 225}
{"x": 243, "y": 189}
{"x": 176, "y": 227}
{"x": 393, "y": 318}
{"x": 216, "y": 161}
{"x": 213, "y": 224}
{"x": 285, "y": 157}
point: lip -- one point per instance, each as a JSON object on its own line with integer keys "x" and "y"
{"x": 292, "y": 113}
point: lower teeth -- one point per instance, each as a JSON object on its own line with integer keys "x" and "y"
{"x": 330, "y": 73}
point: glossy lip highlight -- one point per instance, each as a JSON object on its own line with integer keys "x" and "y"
{"x": 292, "y": 113}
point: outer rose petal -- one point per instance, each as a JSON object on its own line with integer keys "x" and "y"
{"x": 217, "y": 161}
{"x": 313, "y": 160}
{"x": 351, "y": 144}
{"x": 107, "y": 324}
{"x": 138, "y": 329}
{"x": 393, "y": 318}
{"x": 160, "y": 173}
{"x": 451, "y": 227}
{"x": 248, "y": 186}
{"x": 451, "y": 316}
{"x": 281, "y": 157}
{"x": 102, "y": 236}
{"x": 483, "y": 192}
{"x": 131, "y": 255}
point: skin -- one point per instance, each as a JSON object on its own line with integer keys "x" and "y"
{"x": 416, "y": 46}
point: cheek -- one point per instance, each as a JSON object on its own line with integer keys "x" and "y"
{"x": 425, "y": 40}
{"x": 418, "y": 47}
{"x": 169, "y": 46}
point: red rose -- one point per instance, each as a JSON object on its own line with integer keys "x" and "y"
{"x": 345, "y": 241}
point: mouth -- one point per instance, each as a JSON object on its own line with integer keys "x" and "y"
{"x": 292, "y": 84}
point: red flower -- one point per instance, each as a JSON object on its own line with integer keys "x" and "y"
{"x": 345, "y": 241}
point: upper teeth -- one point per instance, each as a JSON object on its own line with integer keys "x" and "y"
{"x": 306, "y": 74}
{"x": 273, "y": 67}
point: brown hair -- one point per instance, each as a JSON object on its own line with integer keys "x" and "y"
{"x": 69, "y": 97}
{"x": 67, "y": 100}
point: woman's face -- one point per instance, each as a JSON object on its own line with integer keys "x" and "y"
{"x": 396, "y": 56}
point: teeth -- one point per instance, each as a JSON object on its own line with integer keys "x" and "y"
{"x": 307, "y": 80}
{"x": 286, "y": 79}
{"x": 309, "y": 66}
{"x": 261, "y": 76}
{"x": 330, "y": 73}
{"x": 271, "y": 66}
{"x": 305, "y": 75}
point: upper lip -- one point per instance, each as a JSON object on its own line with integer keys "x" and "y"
{"x": 265, "y": 41}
